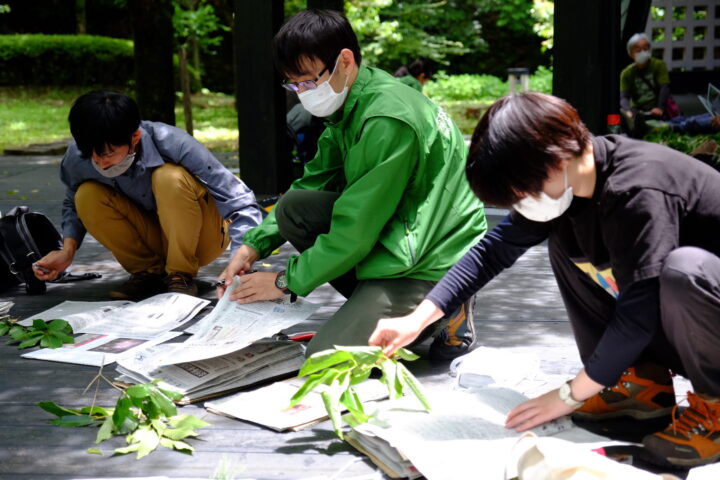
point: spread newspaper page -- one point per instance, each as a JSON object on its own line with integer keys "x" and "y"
{"x": 104, "y": 331}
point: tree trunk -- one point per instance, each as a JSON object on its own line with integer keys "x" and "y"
{"x": 338, "y": 5}
{"x": 80, "y": 17}
{"x": 185, "y": 82}
{"x": 154, "y": 72}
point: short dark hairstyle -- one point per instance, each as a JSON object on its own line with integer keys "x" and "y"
{"x": 101, "y": 118}
{"x": 421, "y": 65}
{"x": 519, "y": 140}
{"x": 313, "y": 34}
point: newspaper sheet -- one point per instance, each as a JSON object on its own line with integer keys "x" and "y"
{"x": 145, "y": 319}
{"x": 466, "y": 425}
{"x": 268, "y": 405}
{"x": 98, "y": 349}
{"x": 231, "y": 327}
{"x": 256, "y": 362}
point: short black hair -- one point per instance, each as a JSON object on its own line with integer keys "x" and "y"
{"x": 313, "y": 34}
{"x": 417, "y": 67}
{"x": 101, "y": 118}
{"x": 519, "y": 140}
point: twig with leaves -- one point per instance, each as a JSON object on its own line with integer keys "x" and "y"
{"x": 343, "y": 367}
{"x": 50, "y": 334}
{"x": 146, "y": 414}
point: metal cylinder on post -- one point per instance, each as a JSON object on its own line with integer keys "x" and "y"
{"x": 519, "y": 76}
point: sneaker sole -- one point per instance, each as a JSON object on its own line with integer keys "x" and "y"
{"x": 692, "y": 462}
{"x": 636, "y": 414}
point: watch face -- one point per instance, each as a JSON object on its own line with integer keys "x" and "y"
{"x": 281, "y": 281}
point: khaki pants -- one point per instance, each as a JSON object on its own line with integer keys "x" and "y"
{"x": 184, "y": 233}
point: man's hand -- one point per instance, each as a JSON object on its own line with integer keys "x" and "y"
{"x": 241, "y": 263}
{"x": 394, "y": 333}
{"x": 537, "y": 411}
{"x": 255, "y": 287}
{"x": 657, "y": 112}
{"x": 51, "y": 265}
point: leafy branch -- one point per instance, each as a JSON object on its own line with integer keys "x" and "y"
{"x": 146, "y": 414}
{"x": 50, "y": 334}
{"x": 343, "y": 367}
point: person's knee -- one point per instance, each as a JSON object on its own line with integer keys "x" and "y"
{"x": 681, "y": 266}
{"x": 286, "y": 214}
{"x": 169, "y": 178}
{"x": 88, "y": 197}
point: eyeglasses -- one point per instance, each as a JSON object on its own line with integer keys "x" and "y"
{"x": 305, "y": 84}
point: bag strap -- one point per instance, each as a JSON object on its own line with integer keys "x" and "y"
{"x": 21, "y": 256}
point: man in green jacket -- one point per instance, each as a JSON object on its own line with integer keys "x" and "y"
{"x": 384, "y": 208}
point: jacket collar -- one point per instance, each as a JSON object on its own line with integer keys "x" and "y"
{"x": 361, "y": 81}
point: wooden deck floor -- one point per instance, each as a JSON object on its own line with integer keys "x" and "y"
{"x": 520, "y": 308}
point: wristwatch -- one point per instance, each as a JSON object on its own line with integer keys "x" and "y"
{"x": 565, "y": 394}
{"x": 282, "y": 284}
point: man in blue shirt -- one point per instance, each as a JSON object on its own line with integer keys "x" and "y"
{"x": 150, "y": 193}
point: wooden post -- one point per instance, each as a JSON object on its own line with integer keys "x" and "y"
{"x": 586, "y": 69}
{"x": 327, "y": 4}
{"x": 154, "y": 73}
{"x": 265, "y": 164}
{"x": 185, "y": 85}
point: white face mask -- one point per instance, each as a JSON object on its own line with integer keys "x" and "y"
{"x": 323, "y": 100}
{"x": 545, "y": 208}
{"x": 117, "y": 169}
{"x": 642, "y": 57}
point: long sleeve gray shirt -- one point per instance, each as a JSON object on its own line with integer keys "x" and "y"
{"x": 160, "y": 144}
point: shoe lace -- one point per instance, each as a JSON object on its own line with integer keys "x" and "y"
{"x": 177, "y": 281}
{"x": 697, "y": 419}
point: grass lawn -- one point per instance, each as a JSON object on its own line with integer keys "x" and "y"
{"x": 39, "y": 115}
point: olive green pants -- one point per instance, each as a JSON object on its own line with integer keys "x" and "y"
{"x": 301, "y": 216}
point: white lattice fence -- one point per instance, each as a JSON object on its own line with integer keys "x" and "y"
{"x": 686, "y": 33}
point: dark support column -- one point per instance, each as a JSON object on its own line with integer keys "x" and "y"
{"x": 154, "y": 73}
{"x": 265, "y": 164}
{"x": 327, "y": 4}
{"x": 586, "y": 68}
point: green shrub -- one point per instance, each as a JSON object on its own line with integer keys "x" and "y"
{"x": 481, "y": 88}
{"x": 81, "y": 60}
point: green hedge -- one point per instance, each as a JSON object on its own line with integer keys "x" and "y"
{"x": 481, "y": 88}
{"x": 82, "y": 60}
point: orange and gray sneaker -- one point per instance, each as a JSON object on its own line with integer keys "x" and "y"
{"x": 644, "y": 391}
{"x": 458, "y": 338}
{"x": 691, "y": 439}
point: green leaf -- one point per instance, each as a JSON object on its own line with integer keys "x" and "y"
{"x": 73, "y": 421}
{"x": 177, "y": 445}
{"x": 187, "y": 421}
{"x": 163, "y": 403}
{"x": 4, "y": 329}
{"x": 351, "y": 401}
{"x": 50, "y": 341}
{"x": 28, "y": 343}
{"x": 17, "y": 331}
{"x": 172, "y": 394}
{"x": 331, "y": 400}
{"x": 94, "y": 451}
{"x": 57, "y": 410}
{"x": 133, "y": 447}
{"x": 360, "y": 374}
{"x": 410, "y": 380}
{"x": 148, "y": 440}
{"x": 363, "y": 355}
{"x": 106, "y": 430}
{"x": 39, "y": 325}
{"x": 139, "y": 391}
{"x": 389, "y": 378}
{"x": 124, "y": 419}
{"x": 313, "y": 381}
{"x": 58, "y": 325}
{"x": 323, "y": 359}
{"x": 96, "y": 411}
{"x": 406, "y": 354}
{"x": 64, "y": 337}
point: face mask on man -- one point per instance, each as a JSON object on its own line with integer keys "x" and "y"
{"x": 544, "y": 208}
{"x": 323, "y": 100}
{"x": 642, "y": 57}
{"x": 117, "y": 169}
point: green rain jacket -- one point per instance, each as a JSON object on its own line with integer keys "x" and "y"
{"x": 405, "y": 209}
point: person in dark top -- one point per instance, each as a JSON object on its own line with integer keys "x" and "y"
{"x": 633, "y": 231}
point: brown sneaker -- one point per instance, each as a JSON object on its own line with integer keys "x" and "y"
{"x": 643, "y": 392}
{"x": 691, "y": 439}
{"x": 140, "y": 285}
{"x": 458, "y": 338}
{"x": 179, "y": 282}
